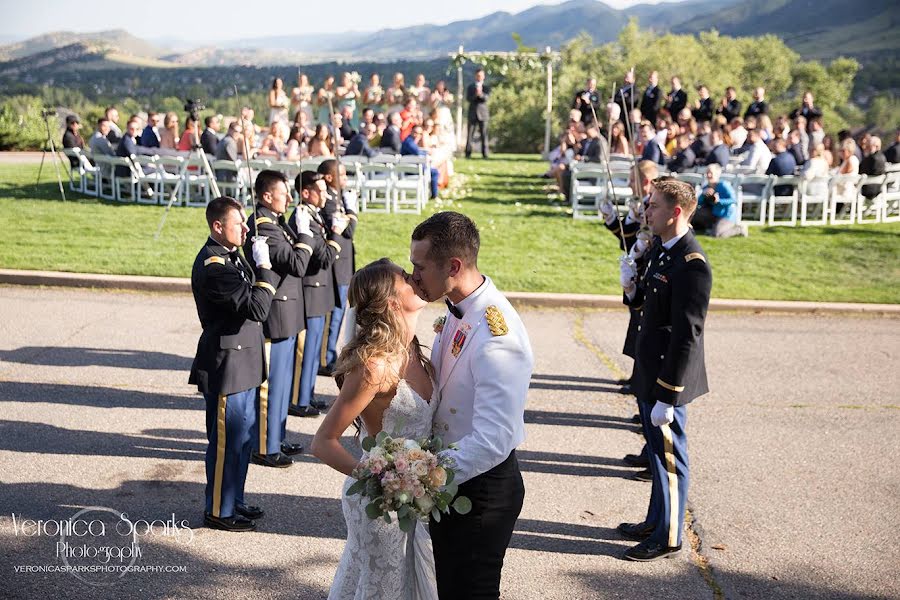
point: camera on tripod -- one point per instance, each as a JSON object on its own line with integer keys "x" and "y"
{"x": 48, "y": 111}
{"x": 193, "y": 107}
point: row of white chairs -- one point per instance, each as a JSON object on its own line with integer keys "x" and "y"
{"x": 761, "y": 199}
{"x": 385, "y": 183}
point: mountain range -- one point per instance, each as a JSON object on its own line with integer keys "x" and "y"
{"x": 815, "y": 28}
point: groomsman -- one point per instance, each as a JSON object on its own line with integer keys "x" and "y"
{"x": 477, "y": 94}
{"x": 587, "y": 98}
{"x": 672, "y": 297}
{"x": 319, "y": 295}
{"x": 651, "y": 98}
{"x": 232, "y": 299}
{"x": 341, "y": 221}
{"x": 677, "y": 98}
{"x": 290, "y": 254}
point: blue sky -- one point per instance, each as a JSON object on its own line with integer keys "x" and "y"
{"x": 168, "y": 19}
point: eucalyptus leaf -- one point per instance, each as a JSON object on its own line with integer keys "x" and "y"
{"x": 382, "y": 435}
{"x": 406, "y": 523}
{"x": 387, "y": 517}
{"x": 368, "y": 443}
{"x": 451, "y": 475}
{"x": 451, "y": 489}
{"x": 438, "y": 444}
{"x": 357, "y": 488}
{"x": 436, "y": 515}
{"x": 462, "y": 505}
{"x": 373, "y": 511}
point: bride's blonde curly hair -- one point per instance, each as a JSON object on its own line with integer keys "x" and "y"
{"x": 381, "y": 330}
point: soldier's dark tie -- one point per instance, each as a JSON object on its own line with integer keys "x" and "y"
{"x": 454, "y": 310}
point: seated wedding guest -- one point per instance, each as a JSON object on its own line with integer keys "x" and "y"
{"x": 781, "y": 128}
{"x": 71, "y": 137}
{"x": 794, "y": 147}
{"x": 730, "y": 106}
{"x": 759, "y": 106}
{"x": 302, "y": 122}
{"x": 368, "y": 116}
{"x": 765, "y": 127}
{"x": 738, "y": 132}
{"x": 594, "y": 148}
{"x": 360, "y": 144}
{"x": 816, "y": 132}
{"x": 758, "y": 156}
{"x": 396, "y": 93}
{"x": 613, "y": 114}
{"x": 874, "y": 164}
{"x": 99, "y": 143}
{"x": 685, "y": 117}
{"x": 800, "y": 125}
{"x": 844, "y": 135}
{"x": 320, "y": 144}
{"x": 817, "y": 167}
{"x": 150, "y": 135}
{"x": 296, "y": 145}
{"x": 652, "y": 150}
{"x": 115, "y": 133}
{"x": 188, "y": 136}
{"x": 672, "y": 131}
{"x": 274, "y": 146}
{"x": 569, "y": 147}
{"x": 409, "y": 117}
{"x": 228, "y": 149}
{"x": 168, "y": 134}
{"x": 703, "y": 108}
{"x": 806, "y": 110}
{"x": 782, "y": 164}
{"x": 209, "y": 139}
{"x": 390, "y": 138}
{"x": 718, "y": 152}
{"x": 128, "y": 146}
{"x": 845, "y": 191}
{"x": 618, "y": 141}
{"x": 892, "y": 154}
{"x": 716, "y": 211}
{"x": 684, "y": 159}
{"x": 410, "y": 147}
{"x": 829, "y": 154}
{"x": 420, "y": 91}
{"x": 346, "y": 128}
{"x": 373, "y": 97}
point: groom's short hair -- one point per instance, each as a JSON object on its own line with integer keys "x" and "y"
{"x": 451, "y": 234}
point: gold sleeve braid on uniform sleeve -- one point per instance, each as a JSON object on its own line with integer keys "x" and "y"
{"x": 264, "y": 221}
{"x": 694, "y": 256}
{"x": 495, "y": 321}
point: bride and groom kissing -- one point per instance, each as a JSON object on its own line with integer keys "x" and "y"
{"x": 470, "y": 391}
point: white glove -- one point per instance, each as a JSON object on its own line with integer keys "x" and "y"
{"x": 662, "y": 414}
{"x": 339, "y": 224}
{"x": 608, "y": 211}
{"x": 351, "y": 201}
{"x": 261, "y": 252}
{"x": 627, "y": 275}
{"x": 639, "y": 248}
{"x": 301, "y": 221}
{"x": 634, "y": 213}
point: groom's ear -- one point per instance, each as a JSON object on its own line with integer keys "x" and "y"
{"x": 455, "y": 266}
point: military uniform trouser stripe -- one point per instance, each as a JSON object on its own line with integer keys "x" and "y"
{"x": 264, "y": 400}
{"x": 672, "y": 476}
{"x": 298, "y": 366}
{"x": 220, "y": 457}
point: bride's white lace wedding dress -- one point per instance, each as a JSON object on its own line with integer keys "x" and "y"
{"x": 381, "y": 562}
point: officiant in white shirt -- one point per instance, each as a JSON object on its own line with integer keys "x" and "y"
{"x": 483, "y": 362}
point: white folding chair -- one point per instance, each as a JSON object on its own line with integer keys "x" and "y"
{"x": 890, "y": 207}
{"x": 409, "y": 178}
{"x": 147, "y": 169}
{"x": 386, "y": 159}
{"x": 76, "y": 169}
{"x": 842, "y": 193}
{"x": 782, "y": 207}
{"x": 232, "y": 185}
{"x": 125, "y": 187}
{"x": 90, "y": 176}
{"x": 354, "y": 176}
{"x": 588, "y": 188}
{"x": 814, "y": 201}
{"x": 753, "y": 191}
{"x": 106, "y": 186}
{"x": 869, "y": 210}
{"x": 695, "y": 179}
{"x": 312, "y": 163}
{"x": 196, "y": 184}
{"x": 378, "y": 179}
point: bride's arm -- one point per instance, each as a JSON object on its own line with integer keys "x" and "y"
{"x": 356, "y": 393}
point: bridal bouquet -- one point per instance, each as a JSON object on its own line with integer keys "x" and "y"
{"x": 408, "y": 477}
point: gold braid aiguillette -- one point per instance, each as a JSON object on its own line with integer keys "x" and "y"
{"x": 495, "y": 321}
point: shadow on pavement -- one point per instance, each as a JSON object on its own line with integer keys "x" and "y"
{"x": 89, "y": 357}
{"x": 567, "y": 538}
{"x": 546, "y": 417}
{"x": 100, "y": 397}
{"x": 571, "y": 464}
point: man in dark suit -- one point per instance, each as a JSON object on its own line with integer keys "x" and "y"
{"x": 874, "y": 164}
{"x": 759, "y": 106}
{"x": 703, "y": 108}
{"x": 892, "y": 154}
{"x": 410, "y": 147}
{"x": 807, "y": 109}
{"x": 701, "y": 145}
{"x": 290, "y": 254}
{"x": 209, "y": 139}
{"x": 672, "y": 296}
{"x": 731, "y": 106}
{"x": 227, "y": 149}
{"x": 677, "y": 98}
{"x": 651, "y": 98}
{"x": 652, "y": 150}
{"x": 71, "y": 138}
{"x": 586, "y": 99}
{"x": 390, "y": 139}
{"x": 685, "y": 159}
{"x": 718, "y": 152}
{"x": 782, "y": 164}
{"x": 150, "y": 135}
{"x": 627, "y": 96}
{"x": 477, "y": 95}
{"x": 359, "y": 144}
{"x": 232, "y": 299}
{"x": 128, "y": 146}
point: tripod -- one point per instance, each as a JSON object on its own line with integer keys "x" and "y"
{"x": 53, "y": 153}
{"x": 196, "y": 149}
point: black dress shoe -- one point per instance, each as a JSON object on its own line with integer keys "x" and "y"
{"x": 277, "y": 460}
{"x": 320, "y": 406}
{"x": 291, "y": 449}
{"x": 636, "y": 419}
{"x": 624, "y": 381}
{"x": 626, "y": 390}
{"x": 303, "y": 411}
{"x": 639, "y": 461}
{"x": 250, "y": 512}
{"x": 326, "y": 372}
{"x": 647, "y": 551}
{"x": 228, "y": 523}
{"x": 635, "y": 531}
{"x": 644, "y": 475}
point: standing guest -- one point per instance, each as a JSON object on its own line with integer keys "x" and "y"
{"x": 71, "y": 138}
{"x": 717, "y": 207}
{"x": 347, "y": 95}
{"x": 782, "y": 164}
{"x": 290, "y": 254}
{"x": 670, "y": 368}
{"x": 278, "y": 102}
{"x": 874, "y": 164}
{"x": 209, "y": 139}
{"x": 731, "y": 106}
{"x": 319, "y": 295}
{"x": 301, "y": 98}
{"x": 373, "y": 97}
{"x": 586, "y": 99}
{"x": 441, "y": 96}
{"x": 477, "y": 95}
{"x": 892, "y": 154}
{"x": 341, "y": 222}
{"x": 360, "y": 144}
{"x": 396, "y": 94}
{"x": 115, "y": 133}
{"x": 703, "y": 109}
{"x": 718, "y": 152}
{"x": 806, "y": 110}
{"x": 651, "y": 98}
{"x": 189, "y": 136}
{"x": 150, "y": 135}
{"x": 411, "y": 147}
{"x": 228, "y": 150}
{"x": 320, "y": 144}
{"x": 325, "y": 101}
{"x": 759, "y": 106}
{"x": 390, "y": 137}
{"x": 232, "y": 299}
{"x": 676, "y": 101}
{"x": 99, "y": 143}
{"x": 781, "y": 128}
{"x": 168, "y": 135}
{"x": 684, "y": 159}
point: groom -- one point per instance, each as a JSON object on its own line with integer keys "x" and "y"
{"x": 483, "y": 364}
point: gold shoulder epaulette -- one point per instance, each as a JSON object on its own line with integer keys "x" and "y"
{"x": 693, "y": 256}
{"x": 495, "y": 321}
{"x": 214, "y": 260}
{"x": 264, "y": 220}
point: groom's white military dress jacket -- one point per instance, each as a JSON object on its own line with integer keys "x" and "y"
{"x": 484, "y": 364}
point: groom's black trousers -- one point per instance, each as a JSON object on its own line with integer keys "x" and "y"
{"x": 469, "y": 549}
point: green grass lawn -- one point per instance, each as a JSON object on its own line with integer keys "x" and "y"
{"x": 529, "y": 243}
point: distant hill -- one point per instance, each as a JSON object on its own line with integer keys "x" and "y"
{"x": 124, "y": 42}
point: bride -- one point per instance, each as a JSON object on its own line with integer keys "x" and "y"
{"x": 386, "y": 384}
